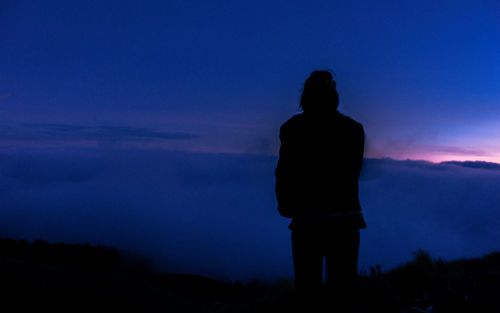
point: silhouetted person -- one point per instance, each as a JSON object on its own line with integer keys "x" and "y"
{"x": 317, "y": 174}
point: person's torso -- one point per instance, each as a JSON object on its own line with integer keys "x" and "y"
{"x": 322, "y": 150}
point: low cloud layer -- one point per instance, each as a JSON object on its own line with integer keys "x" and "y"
{"x": 79, "y": 134}
{"x": 215, "y": 214}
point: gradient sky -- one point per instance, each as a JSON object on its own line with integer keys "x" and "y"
{"x": 221, "y": 76}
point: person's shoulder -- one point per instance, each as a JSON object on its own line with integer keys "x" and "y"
{"x": 291, "y": 126}
{"x": 297, "y": 118}
{"x": 350, "y": 122}
{"x": 292, "y": 122}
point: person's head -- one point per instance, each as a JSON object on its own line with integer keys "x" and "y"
{"x": 320, "y": 93}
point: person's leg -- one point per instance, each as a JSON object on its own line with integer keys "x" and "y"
{"x": 342, "y": 268}
{"x": 308, "y": 266}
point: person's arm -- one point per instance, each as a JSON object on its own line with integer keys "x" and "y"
{"x": 360, "y": 149}
{"x": 283, "y": 176}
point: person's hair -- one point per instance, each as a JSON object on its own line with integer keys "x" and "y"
{"x": 319, "y": 93}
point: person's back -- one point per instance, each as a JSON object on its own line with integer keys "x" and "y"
{"x": 319, "y": 165}
{"x": 317, "y": 174}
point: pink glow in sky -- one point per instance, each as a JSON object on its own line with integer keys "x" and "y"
{"x": 422, "y": 77}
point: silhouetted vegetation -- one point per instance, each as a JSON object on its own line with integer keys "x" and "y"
{"x": 42, "y": 252}
{"x": 60, "y": 277}
{"x": 427, "y": 285}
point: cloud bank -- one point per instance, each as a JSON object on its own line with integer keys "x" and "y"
{"x": 215, "y": 214}
{"x": 86, "y": 135}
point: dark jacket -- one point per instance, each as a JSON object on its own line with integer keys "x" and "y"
{"x": 318, "y": 168}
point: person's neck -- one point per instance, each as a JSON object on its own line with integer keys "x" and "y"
{"x": 322, "y": 112}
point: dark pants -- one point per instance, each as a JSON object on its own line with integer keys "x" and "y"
{"x": 339, "y": 249}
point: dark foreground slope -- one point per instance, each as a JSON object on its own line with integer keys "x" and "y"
{"x": 80, "y": 278}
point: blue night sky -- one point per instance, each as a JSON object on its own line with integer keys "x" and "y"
{"x": 422, "y": 76}
{"x": 152, "y": 126}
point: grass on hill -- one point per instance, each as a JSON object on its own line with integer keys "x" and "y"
{"x": 60, "y": 277}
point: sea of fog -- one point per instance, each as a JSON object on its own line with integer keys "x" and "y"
{"x": 215, "y": 214}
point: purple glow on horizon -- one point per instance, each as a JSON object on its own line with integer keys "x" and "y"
{"x": 421, "y": 77}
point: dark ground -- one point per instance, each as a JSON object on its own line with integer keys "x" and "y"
{"x": 38, "y": 276}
